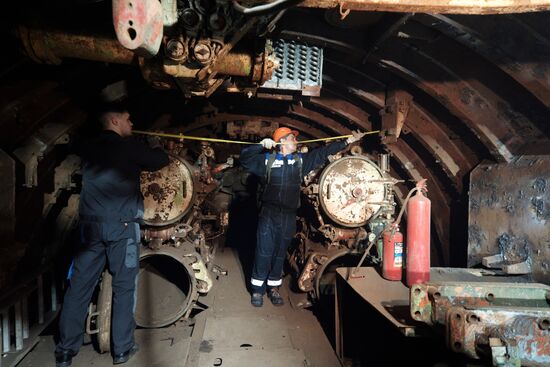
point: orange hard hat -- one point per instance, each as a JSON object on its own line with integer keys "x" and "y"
{"x": 282, "y": 132}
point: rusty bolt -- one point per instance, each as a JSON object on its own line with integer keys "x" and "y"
{"x": 175, "y": 49}
{"x": 190, "y": 18}
{"x": 203, "y": 53}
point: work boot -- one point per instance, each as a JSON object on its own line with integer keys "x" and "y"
{"x": 64, "y": 358}
{"x": 275, "y": 297}
{"x": 257, "y": 299}
{"x": 125, "y": 356}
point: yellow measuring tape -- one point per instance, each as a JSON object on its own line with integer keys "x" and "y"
{"x": 214, "y": 140}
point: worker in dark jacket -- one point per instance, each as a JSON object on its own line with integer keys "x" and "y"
{"x": 282, "y": 173}
{"x": 111, "y": 207}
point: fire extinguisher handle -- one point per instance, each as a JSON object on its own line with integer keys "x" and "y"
{"x": 421, "y": 185}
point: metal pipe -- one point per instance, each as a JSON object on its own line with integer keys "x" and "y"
{"x": 51, "y": 46}
{"x": 18, "y": 327}
{"x": 236, "y": 64}
{"x": 6, "y": 345}
{"x": 240, "y": 64}
{"x": 264, "y": 8}
{"x": 40, "y": 291}
{"x": 25, "y": 314}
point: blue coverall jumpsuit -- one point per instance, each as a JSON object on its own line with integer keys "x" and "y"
{"x": 279, "y": 201}
{"x": 111, "y": 207}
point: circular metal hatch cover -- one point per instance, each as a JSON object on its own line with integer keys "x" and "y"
{"x": 350, "y": 190}
{"x": 168, "y": 193}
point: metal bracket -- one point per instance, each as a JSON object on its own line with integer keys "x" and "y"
{"x": 394, "y": 114}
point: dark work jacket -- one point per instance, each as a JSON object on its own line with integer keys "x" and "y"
{"x": 111, "y": 167}
{"x": 283, "y": 190}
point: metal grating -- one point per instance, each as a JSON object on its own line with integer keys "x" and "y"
{"x": 300, "y": 67}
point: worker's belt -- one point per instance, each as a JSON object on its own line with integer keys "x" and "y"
{"x": 108, "y": 219}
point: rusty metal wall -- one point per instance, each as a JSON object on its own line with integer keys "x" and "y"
{"x": 509, "y": 216}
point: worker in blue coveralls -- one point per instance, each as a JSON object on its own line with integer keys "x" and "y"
{"x": 282, "y": 173}
{"x": 111, "y": 207}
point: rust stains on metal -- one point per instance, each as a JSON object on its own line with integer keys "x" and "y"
{"x": 168, "y": 193}
{"x": 351, "y": 191}
{"x": 138, "y": 25}
{"x": 52, "y": 46}
{"x": 436, "y": 6}
{"x": 508, "y": 216}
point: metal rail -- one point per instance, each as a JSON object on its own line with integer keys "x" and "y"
{"x": 24, "y": 313}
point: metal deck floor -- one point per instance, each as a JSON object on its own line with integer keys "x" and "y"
{"x": 230, "y": 332}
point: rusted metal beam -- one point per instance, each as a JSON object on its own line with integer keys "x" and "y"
{"x": 465, "y": 88}
{"x": 448, "y": 90}
{"x": 205, "y": 121}
{"x": 435, "y": 6}
{"x": 459, "y": 97}
{"x": 340, "y": 107}
{"x": 452, "y": 155}
{"x": 23, "y": 112}
{"x": 319, "y": 119}
{"x": 389, "y": 25}
{"x": 508, "y": 52}
{"x": 426, "y": 129}
{"x": 51, "y": 46}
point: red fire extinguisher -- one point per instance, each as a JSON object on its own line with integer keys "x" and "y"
{"x": 392, "y": 258}
{"x": 418, "y": 236}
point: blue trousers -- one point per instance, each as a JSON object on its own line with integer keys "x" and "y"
{"x": 116, "y": 244}
{"x": 276, "y": 229}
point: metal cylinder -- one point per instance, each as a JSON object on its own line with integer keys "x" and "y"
{"x": 166, "y": 288}
{"x": 418, "y": 239}
{"x": 392, "y": 259}
{"x": 384, "y": 162}
{"x": 237, "y": 64}
{"x": 50, "y": 47}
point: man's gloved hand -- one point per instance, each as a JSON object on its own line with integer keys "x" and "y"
{"x": 154, "y": 141}
{"x": 230, "y": 162}
{"x": 268, "y": 143}
{"x": 356, "y": 136}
